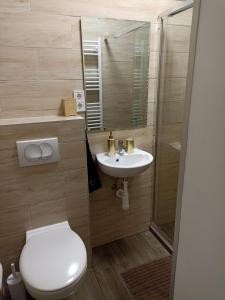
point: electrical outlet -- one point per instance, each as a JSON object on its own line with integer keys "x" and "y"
{"x": 80, "y": 100}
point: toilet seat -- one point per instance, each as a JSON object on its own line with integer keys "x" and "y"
{"x": 53, "y": 261}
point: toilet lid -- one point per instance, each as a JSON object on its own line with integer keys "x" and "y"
{"x": 53, "y": 260}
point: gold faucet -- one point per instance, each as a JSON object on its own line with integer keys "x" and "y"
{"x": 111, "y": 145}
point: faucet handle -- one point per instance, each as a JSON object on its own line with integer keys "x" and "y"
{"x": 121, "y": 148}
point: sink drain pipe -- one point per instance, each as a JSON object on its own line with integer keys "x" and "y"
{"x": 124, "y": 194}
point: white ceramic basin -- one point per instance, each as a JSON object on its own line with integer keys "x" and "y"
{"x": 126, "y": 165}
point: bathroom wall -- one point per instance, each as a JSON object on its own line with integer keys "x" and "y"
{"x": 175, "y": 53}
{"x": 40, "y": 62}
{"x": 41, "y": 195}
{"x": 43, "y": 62}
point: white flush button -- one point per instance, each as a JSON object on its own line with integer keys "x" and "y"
{"x": 32, "y": 152}
{"x": 38, "y": 152}
{"x": 47, "y": 150}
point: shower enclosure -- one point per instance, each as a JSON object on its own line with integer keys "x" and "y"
{"x": 174, "y": 55}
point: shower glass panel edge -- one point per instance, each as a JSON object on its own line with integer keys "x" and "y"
{"x": 179, "y": 27}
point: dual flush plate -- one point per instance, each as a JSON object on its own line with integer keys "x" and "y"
{"x": 38, "y": 152}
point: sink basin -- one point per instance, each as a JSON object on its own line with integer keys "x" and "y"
{"x": 126, "y": 165}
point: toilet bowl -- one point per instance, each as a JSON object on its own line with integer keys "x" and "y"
{"x": 53, "y": 262}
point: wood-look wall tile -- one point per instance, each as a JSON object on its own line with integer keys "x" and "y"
{"x": 46, "y": 213}
{"x": 133, "y": 10}
{"x": 18, "y": 63}
{"x": 69, "y": 131}
{"x": 118, "y": 50}
{"x": 119, "y": 77}
{"x": 100, "y": 234}
{"x": 72, "y": 131}
{"x": 77, "y": 211}
{"x": 10, "y": 134}
{"x": 38, "y": 180}
{"x": 127, "y": 224}
{"x": 59, "y": 64}
{"x": 172, "y": 112}
{"x": 173, "y": 89}
{"x": 35, "y": 30}
{"x": 44, "y": 187}
{"x": 142, "y": 180}
{"x": 64, "y": 7}
{"x": 13, "y": 191}
{"x": 170, "y": 133}
{"x": 73, "y": 155}
{"x": 168, "y": 154}
{"x": 15, "y": 5}
{"x": 142, "y": 138}
{"x": 76, "y": 33}
{"x": 75, "y": 182}
{"x": 14, "y": 220}
{"x": 39, "y": 89}
{"x": 24, "y": 174}
{"x": 176, "y": 64}
{"x": 12, "y": 244}
{"x": 177, "y": 38}
{"x": 106, "y": 192}
{"x": 98, "y": 141}
{"x": 106, "y": 209}
{"x": 32, "y": 189}
{"x": 166, "y": 211}
{"x": 167, "y": 184}
{"x": 9, "y": 161}
{"x": 11, "y": 114}
{"x": 21, "y": 98}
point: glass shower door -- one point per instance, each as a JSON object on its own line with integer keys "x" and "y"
{"x": 174, "y": 56}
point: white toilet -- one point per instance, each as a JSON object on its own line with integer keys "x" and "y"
{"x": 53, "y": 262}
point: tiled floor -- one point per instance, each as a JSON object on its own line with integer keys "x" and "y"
{"x": 104, "y": 281}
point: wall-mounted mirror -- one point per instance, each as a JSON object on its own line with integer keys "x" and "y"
{"x": 116, "y": 64}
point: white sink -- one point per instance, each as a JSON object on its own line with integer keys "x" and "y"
{"x": 125, "y": 165}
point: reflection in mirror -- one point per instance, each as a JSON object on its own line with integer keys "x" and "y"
{"x": 116, "y": 58}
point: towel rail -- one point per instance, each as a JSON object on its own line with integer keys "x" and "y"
{"x": 93, "y": 83}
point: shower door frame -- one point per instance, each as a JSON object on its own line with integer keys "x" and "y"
{"x": 154, "y": 228}
{"x": 188, "y": 94}
{"x": 172, "y": 248}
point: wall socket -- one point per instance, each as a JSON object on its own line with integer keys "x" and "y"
{"x": 80, "y": 100}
